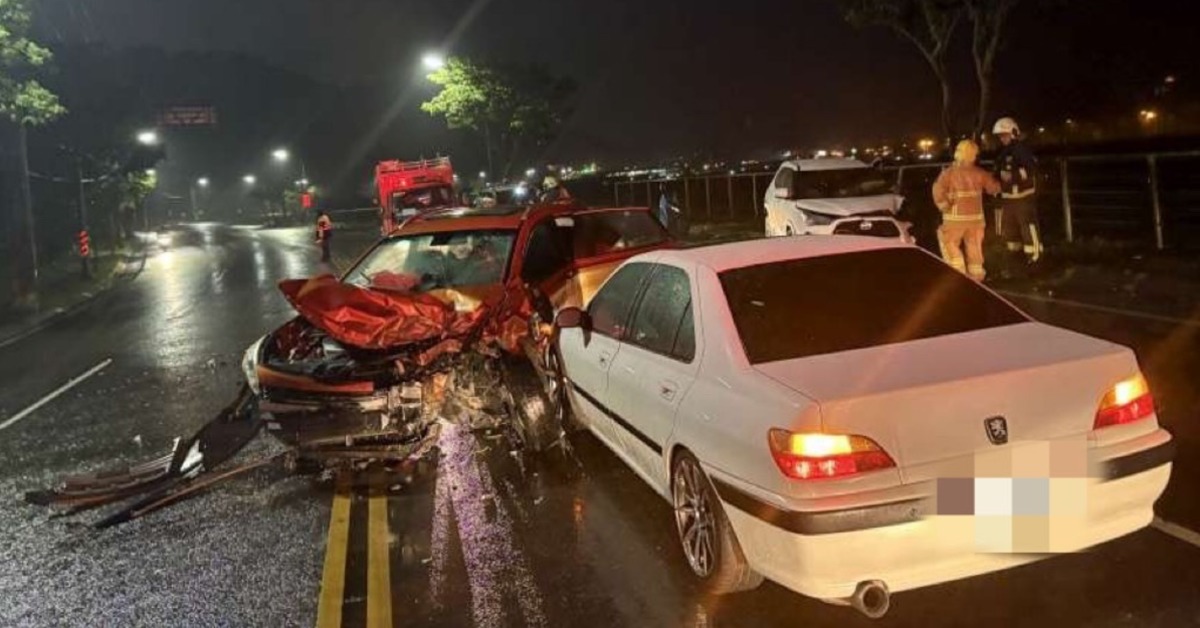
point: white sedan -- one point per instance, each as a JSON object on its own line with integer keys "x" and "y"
{"x": 850, "y": 417}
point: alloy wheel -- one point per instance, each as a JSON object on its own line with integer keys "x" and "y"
{"x": 694, "y": 517}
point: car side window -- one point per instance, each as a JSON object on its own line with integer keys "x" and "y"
{"x": 548, "y": 252}
{"x": 685, "y": 338}
{"x": 783, "y": 180}
{"x": 610, "y": 308}
{"x": 657, "y": 321}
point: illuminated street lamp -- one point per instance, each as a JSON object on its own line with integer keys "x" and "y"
{"x": 433, "y": 61}
{"x": 249, "y": 179}
{"x": 202, "y": 182}
{"x": 530, "y": 172}
{"x": 482, "y": 174}
{"x": 925, "y": 144}
{"x": 1148, "y": 115}
{"x": 281, "y": 154}
{"x": 147, "y": 138}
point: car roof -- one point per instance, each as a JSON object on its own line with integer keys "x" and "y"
{"x": 493, "y": 218}
{"x": 807, "y": 165}
{"x": 753, "y": 252}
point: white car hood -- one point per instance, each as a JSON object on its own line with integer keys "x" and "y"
{"x": 851, "y": 206}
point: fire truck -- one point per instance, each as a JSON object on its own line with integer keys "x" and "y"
{"x": 408, "y": 188}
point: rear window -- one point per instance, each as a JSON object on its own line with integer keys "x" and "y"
{"x": 798, "y": 308}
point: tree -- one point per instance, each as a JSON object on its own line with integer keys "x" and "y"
{"x": 988, "y": 18}
{"x": 515, "y": 108}
{"x": 23, "y": 103}
{"x": 928, "y": 24}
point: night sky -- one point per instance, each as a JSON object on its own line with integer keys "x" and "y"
{"x": 663, "y": 78}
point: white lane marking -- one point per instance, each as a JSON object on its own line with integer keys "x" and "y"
{"x": 1190, "y": 537}
{"x": 1191, "y": 322}
{"x": 71, "y": 383}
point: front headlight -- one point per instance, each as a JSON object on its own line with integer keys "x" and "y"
{"x": 250, "y": 365}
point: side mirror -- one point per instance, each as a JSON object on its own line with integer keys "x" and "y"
{"x": 570, "y": 317}
{"x": 783, "y": 194}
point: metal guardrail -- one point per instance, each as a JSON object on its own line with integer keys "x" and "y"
{"x": 1153, "y": 197}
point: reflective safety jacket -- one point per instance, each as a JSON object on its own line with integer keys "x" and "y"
{"x": 1016, "y": 167}
{"x": 324, "y": 226}
{"x": 958, "y": 192}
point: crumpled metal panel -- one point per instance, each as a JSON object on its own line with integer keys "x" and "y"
{"x": 376, "y": 319}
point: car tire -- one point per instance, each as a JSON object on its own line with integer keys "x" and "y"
{"x": 531, "y": 410}
{"x": 709, "y": 546}
{"x": 556, "y": 390}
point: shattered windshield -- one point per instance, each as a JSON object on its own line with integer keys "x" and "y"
{"x": 435, "y": 260}
{"x": 844, "y": 183}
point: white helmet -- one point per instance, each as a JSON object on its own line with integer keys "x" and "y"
{"x": 1006, "y": 125}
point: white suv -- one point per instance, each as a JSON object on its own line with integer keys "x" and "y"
{"x": 833, "y": 197}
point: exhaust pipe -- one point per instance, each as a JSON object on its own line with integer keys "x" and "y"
{"x": 871, "y": 598}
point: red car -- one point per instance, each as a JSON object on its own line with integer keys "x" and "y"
{"x": 442, "y": 318}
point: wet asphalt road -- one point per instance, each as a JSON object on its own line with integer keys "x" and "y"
{"x": 481, "y": 535}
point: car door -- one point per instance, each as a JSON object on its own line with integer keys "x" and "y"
{"x": 778, "y": 202}
{"x": 653, "y": 370}
{"x": 588, "y": 352}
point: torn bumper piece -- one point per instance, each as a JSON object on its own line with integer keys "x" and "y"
{"x": 166, "y": 479}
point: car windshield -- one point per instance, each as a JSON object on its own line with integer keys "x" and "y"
{"x": 435, "y": 260}
{"x": 805, "y": 307}
{"x": 604, "y": 232}
{"x": 841, "y": 183}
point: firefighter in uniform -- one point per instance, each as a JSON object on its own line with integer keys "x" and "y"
{"x": 1016, "y": 215}
{"x": 958, "y": 193}
{"x": 324, "y": 234}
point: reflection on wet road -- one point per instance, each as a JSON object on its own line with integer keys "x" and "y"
{"x": 478, "y": 535}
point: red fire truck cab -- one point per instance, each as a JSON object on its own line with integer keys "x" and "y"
{"x": 408, "y": 188}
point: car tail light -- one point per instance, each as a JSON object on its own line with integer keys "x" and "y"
{"x": 1130, "y": 400}
{"x": 809, "y": 456}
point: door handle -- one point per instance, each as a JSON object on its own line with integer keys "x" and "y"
{"x": 667, "y": 389}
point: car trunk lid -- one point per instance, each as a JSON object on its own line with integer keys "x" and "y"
{"x": 926, "y": 402}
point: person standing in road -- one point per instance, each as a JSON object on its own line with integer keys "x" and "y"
{"x": 324, "y": 234}
{"x": 553, "y": 191}
{"x": 1016, "y": 219}
{"x": 958, "y": 194}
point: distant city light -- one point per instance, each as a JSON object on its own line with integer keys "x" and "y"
{"x": 822, "y": 153}
{"x": 148, "y": 138}
{"x": 202, "y": 182}
{"x": 281, "y": 154}
{"x": 249, "y": 179}
{"x": 1148, "y": 115}
{"x": 433, "y": 61}
{"x": 520, "y": 191}
{"x": 530, "y": 172}
{"x": 925, "y": 144}
{"x": 482, "y": 174}
{"x": 1170, "y": 79}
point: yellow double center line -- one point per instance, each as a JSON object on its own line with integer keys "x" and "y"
{"x": 379, "y": 579}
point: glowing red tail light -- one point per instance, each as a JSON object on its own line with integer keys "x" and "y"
{"x": 810, "y": 456}
{"x": 1130, "y": 400}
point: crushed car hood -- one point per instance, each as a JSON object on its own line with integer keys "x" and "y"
{"x": 387, "y": 320}
{"x": 376, "y": 319}
{"x": 852, "y": 206}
